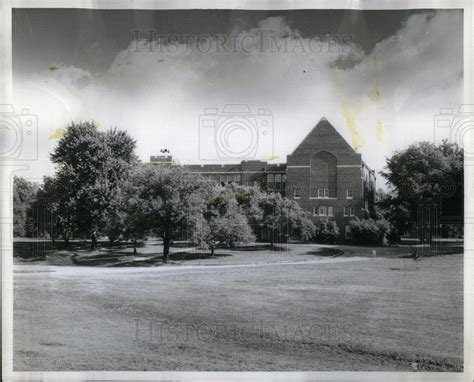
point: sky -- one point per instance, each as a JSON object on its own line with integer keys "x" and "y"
{"x": 380, "y": 77}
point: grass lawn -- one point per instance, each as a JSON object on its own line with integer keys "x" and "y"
{"x": 299, "y": 309}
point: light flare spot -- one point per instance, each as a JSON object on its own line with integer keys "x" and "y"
{"x": 56, "y": 134}
{"x": 379, "y": 130}
{"x": 349, "y": 112}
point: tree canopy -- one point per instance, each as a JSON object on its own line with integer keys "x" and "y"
{"x": 278, "y": 215}
{"x": 423, "y": 171}
{"x": 222, "y": 220}
{"x": 24, "y": 195}
{"x": 91, "y": 167}
{"x": 169, "y": 198}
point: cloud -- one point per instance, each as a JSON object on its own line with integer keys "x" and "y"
{"x": 384, "y": 101}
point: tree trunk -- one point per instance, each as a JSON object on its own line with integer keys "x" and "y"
{"x": 212, "y": 251}
{"x": 166, "y": 250}
{"x": 134, "y": 247}
{"x": 93, "y": 241}
{"x": 66, "y": 240}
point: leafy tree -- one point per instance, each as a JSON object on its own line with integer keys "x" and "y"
{"x": 128, "y": 222}
{"x": 277, "y": 214}
{"x": 24, "y": 195}
{"x": 326, "y": 231}
{"x": 92, "y": 166}
{"x": 54, "y": 209}
{"x": 169, "y": 199}
{"x": 221, "y": 221}
{"x": 396, "y": 210}
{"x": 370, "y": 231}
{"x": 307, "y": 229}
{"x": 423, "y": 171}
{"x": 244, "y": 195}
{"x": 43, "y": 209}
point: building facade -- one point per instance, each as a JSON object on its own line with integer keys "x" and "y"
{"x": 329, "y": 179}
{"x": 324, "y": 174}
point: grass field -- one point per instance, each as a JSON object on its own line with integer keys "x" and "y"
{"x": 300, "y": 309}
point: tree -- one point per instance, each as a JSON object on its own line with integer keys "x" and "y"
{"x": 307, "y": 229}
{"x": 244, "y": 195}
{"x": 128, "y": 222}
{"x": 423, "y": 171}
{"x": 370, "y": 231}
{"x": 24, "y": 195}
{"x": 326, "y": 231}
{"x": 396, "y": 210}
{"x": 222, "y": 220}
{"x": 44, "y": 209}
{"x": 278, "y": 215}
{"x": 55, "y": 208}
{"x": 170, "y": 198}
{"x": 92, "y": 166}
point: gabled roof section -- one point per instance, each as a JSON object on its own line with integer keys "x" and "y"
{"x": 325, "y": 134}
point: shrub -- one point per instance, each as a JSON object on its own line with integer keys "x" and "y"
{"x": 326, "y": 231}
{"x": 370, "y": 231}
{"x": 306, "y": 230}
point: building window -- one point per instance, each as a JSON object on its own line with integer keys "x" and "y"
{"x": 352, "y": 211}
{"x": 323, "y": 172}
{"x": 270, "y": 182}
{"x": 350, "y": 194}
{"x": 296, "y": 193}
{"x": 277, "y": 182}
{"x": 348, "y": 232}
{"x": 320, "y": 192}
{"x": 323, "y": 211}
{"x": 237, "y": 178}
{"x": 326, "y": 192}
{"x": 346, "y": 211}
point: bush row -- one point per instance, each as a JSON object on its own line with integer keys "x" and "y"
{"x": 363, "y": 231}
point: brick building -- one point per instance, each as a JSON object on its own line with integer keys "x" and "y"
{"x": 324, "y": 174}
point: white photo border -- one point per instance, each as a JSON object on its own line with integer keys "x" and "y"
{"x": 8, "y": 169}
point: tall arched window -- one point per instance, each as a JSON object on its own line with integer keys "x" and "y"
{"x": 323, "y": 175}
